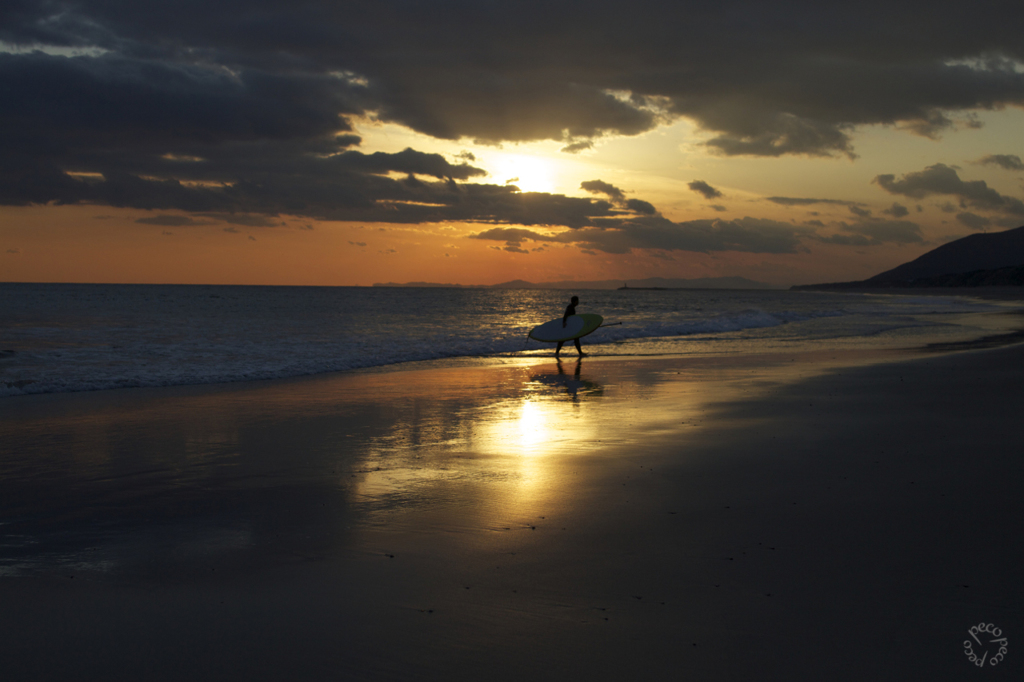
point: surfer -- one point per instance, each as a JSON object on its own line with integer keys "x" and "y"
{"x": 570, "y": 310}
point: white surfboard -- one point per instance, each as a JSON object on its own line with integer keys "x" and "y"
{"x": 576, "y": 326}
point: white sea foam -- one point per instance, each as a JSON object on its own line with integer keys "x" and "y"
{"x": 57, "y": 338}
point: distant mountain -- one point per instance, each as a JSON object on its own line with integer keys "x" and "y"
{"x": 990, "y": 259}
{"x": 999, "y": 277}
{"x": 649, "y": 283}
{"x": 989, "y": 251}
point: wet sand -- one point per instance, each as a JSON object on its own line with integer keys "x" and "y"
{"x": 839, "y": 517}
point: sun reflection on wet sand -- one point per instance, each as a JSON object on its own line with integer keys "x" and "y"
{"x": 497, "y": 447}
{"x": 303, "y": 465}
{"x": 494, "y": 458}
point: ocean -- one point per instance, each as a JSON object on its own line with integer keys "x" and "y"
{"x": 83, "y": 337}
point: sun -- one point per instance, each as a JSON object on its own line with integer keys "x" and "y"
{"x": 528, "y": 173}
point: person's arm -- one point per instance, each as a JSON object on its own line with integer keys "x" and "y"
{"x": 565, "y": 318}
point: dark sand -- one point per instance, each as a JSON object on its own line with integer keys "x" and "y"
{"x": 843, "y": 518}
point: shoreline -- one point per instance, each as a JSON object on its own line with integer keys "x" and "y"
{"x": 991, "y": 293}
{"x": 1008, "y": 326}
{"x": 89, "y": 364}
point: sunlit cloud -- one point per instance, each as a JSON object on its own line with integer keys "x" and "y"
{"x": 940, "y": 179}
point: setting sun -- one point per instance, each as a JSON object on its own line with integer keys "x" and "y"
{"x": 527, "y": 172}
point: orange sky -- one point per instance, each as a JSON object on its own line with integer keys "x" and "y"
{"x": 100, "y": 244}
{"x": 90, "y": 243}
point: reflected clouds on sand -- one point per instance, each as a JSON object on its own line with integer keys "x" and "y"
{"x": 145, "y": 480}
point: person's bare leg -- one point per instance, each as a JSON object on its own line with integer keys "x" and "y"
{"x": 578, "y": 348}
{"x": 559, "y": 349}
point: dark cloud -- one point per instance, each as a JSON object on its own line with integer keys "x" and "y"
{"x": 848, "y": 240}
{"x": 718, "y": 207}
{"x": 876, "y": 232}
{"x": 515, "y": 235}
{"x": 143, "y": 129}
{"x": 602, "y": 187}
{"x": 1010, "y": 162}
{"x": 239, "y": 182}
{"x": 246, "y": 108}
{"x": 704, "y": 189}
{"x": 640, "y": 206}
{"x": 941, "y": 179}
{"x": 1008, "y": 222}
{"x": 973, "y": 221}
{"x": 246, "y": 220}
{"x": 779, "y": 134}
{"x": 409, "y": 161}
{"x": 170, "y": 221}
{"x": 868, "y": 230}
{"x": 799, "y": 101}
{"x": 618, "y": 197}
{"x": 750, "y": 235}
{"x": 801, "y": 201}
{"x": 897, "y": 210}
{"x": 761, "y": 78}
{"x": 57, "y": 104}
{"x": 577, "y": 147}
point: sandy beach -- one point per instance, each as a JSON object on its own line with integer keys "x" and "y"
{"x": 841, "y": 516}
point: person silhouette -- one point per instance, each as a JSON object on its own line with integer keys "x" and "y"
{"x": 570, "y": 310}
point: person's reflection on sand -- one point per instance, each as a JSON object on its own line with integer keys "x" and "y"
{"x": 572, "y": 383}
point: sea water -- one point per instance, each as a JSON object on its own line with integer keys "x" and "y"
{"x": 79, "y": 337}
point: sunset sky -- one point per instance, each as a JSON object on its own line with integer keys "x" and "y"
{"x": 473, "y": 142}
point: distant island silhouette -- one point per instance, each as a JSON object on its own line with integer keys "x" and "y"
{"x": 978, "y": 260}
{"x": 649, "y": 284}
